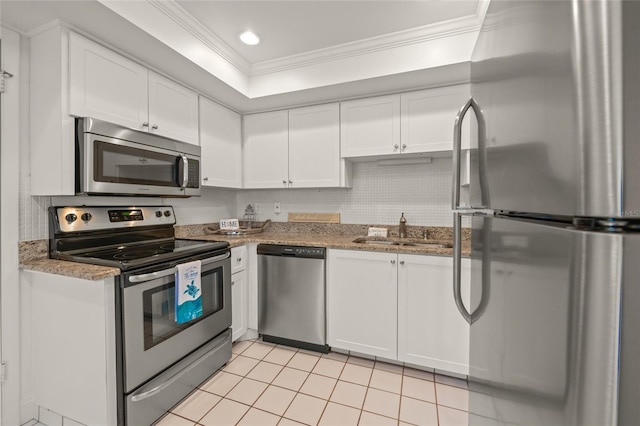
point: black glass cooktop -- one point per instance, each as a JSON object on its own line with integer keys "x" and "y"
{"x": 143, "y": 254}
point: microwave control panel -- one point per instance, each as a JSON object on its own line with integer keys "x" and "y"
{"x": 194, "y": 174}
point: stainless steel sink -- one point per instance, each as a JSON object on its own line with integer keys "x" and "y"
{"x": 397, "y": 242}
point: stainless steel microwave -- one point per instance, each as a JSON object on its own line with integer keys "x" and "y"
{"x": 116, "y": 160}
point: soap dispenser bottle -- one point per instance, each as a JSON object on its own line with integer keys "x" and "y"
{"x": 402, "y": 229}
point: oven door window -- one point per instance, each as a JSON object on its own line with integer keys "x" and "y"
{"x": 125, "y": 164}
{"x": 160, "y": 304}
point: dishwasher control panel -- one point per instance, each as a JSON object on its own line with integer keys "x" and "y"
{"x": 303, "y": 250}
{"x": 292, "y": 251}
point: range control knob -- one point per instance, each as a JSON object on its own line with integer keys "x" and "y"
{"x": 71, "y": 217}
{"x": 86, "y": 217}
{"x": 158, "y": 213}
{"x": 167, "y": 213}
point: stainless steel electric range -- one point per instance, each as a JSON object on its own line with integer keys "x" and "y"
{"x": 158, "y": 360}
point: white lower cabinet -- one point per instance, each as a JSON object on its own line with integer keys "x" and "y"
{"x": 431, "y": 331}
{"x": 239, "y": 293}
{"x": 397, "y": 307}
{"x": 72, "y": 344}
{"x": 239, "y": 302}
{"x": 361, "y": 302}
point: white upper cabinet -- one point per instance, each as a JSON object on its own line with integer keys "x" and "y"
{"x": 110, "y": 87}
{"x": 314, "y": 146}
{"x": 173, "y": 110}
{"x": 298, "y": 148}
{"x": 370, "y": 126}
{"x": 221, "y": 144}
{"x": 105, "y": 85}
{"x": 266, "y": 150}
{"x": 428, "y": 117}
{"x": 410, "y": 123}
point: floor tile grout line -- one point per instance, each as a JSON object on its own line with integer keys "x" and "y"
{"x": 261, "y": 393}
{"x": 332, "y": 390}
{"x": 400, "y": 403}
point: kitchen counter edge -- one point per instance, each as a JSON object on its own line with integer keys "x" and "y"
{"x": 95, "y": 272}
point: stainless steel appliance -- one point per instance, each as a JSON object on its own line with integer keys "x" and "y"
{"x": 112, "y": 159}
{"x": 291, "y": 296}
{"x": 554, "y": 293}
{"x": 158, "y": 361}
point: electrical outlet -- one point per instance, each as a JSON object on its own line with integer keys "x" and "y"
{"x": 277, "y": 207}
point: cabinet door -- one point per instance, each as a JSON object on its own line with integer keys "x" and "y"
{"x": 105, "y": 85}
{"x": 238, "y": 304}
{"x": 238, "y": 259}
{"x": 370, "y": 126}
{"x": 266, "y": 150}
{"x": 362, "y": 302}
{"x": 428, "y": 117}
{"x": 314, "y": 146}
{"x": 221, "y": 143}
{"x": 173, "y": 110}
{"x": 431, "y": 331}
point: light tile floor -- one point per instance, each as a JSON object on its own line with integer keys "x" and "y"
{"x": 266, "y": 384}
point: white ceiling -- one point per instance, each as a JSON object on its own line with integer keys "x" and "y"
{"x": 289, "y": 28}
{"x": 350, "y": 48}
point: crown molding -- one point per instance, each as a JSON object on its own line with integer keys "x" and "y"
{"x": 187, "y": 21}
{"x": 390, "y": 41}
{"x": 361, "y": 47}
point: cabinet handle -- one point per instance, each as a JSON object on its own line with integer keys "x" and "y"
{"x": 402, "y": 262}
{"x": 239, "y": 259}
{"x": 395, "y": 147}
{"x": 393, "y": 262}
{"x": 145, "y": 124}
{"x": 284, "y": 181}
{"x": 205, "y": 178}
{"x": 154, "y": 127}
{"x": 233, "y": 282}
{"x": 404, "y": 146}
{"x": 290, "y": 181}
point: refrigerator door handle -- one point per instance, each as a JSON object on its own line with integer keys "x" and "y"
{"x": 457, "y": 265}
{"x": 457, "y": 268}
{"x": 482, "y": 157}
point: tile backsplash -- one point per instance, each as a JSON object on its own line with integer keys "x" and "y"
{"x": 379, "y": 195}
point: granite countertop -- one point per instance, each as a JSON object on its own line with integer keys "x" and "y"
{"x": 33, "y": 255}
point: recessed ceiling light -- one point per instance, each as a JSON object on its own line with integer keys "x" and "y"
{"x": 249, "y": 38}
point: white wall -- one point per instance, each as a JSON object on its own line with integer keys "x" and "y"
{"x": 379, "y": 195}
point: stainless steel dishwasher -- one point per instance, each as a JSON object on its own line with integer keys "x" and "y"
{"x": 291, "y": 296}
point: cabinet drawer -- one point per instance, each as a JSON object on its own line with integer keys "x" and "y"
{"x": 238, "y": 259}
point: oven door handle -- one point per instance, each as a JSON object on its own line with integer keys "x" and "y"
{"x": 166, "y": 272}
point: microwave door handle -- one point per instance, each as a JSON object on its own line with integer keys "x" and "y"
{"x": 185, "y": 171}
{"x": 166, "y": 272}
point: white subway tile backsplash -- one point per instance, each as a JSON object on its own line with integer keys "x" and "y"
{"x": 379, "y": 195}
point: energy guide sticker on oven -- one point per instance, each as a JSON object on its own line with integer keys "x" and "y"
{"x": 188, "y": 292}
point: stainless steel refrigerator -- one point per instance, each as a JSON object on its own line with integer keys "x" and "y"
{"x": 554, "y": 206}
